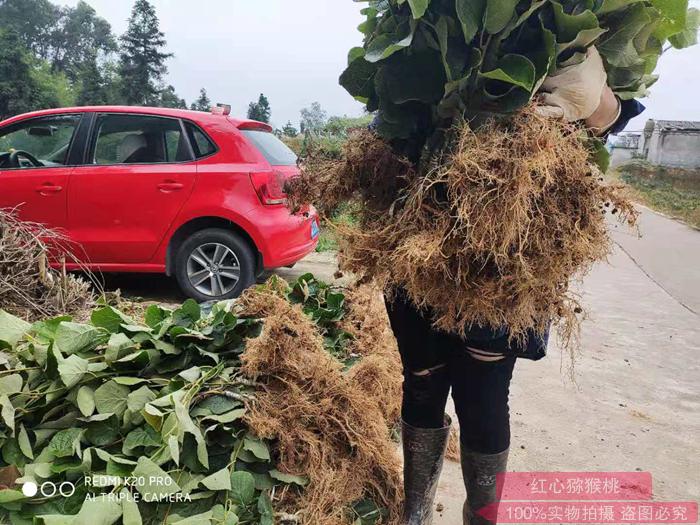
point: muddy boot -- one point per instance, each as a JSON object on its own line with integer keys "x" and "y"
{"x": 423, "y": 454}
{"x": 479, "y": 471}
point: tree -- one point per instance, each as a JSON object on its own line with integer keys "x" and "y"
{"x": 170, "y": 99}
{"x": 289, "y": 130}
{"x": 80, "y": 37}
{"x": 142, "y": 60}
{"x": 202, "y": 103}
{"x": 33, "y": 21}
{"x": 18, "y": 88}
{"x": 313, "y": 118}
{"x": 260, "y": 110}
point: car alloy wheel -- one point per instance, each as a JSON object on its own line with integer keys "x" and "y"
{"x": 213, "y": 269}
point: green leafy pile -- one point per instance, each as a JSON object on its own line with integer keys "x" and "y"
{"x": 425, "y": 60}
{"x": 146, "y": 420}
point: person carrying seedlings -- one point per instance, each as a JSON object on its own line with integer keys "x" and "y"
{"x": 478, "y": 368}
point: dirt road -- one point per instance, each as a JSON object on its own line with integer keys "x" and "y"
{"x": 636, "y": 401}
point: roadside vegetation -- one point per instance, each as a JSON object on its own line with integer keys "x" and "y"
{"x": 671, "y": 191}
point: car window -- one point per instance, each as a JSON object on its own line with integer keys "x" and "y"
{"x": 39, "y": 142}
{"x": 139, "y": 139}
{"x": 273, "y": 149}
{"x": 203, "y": 145}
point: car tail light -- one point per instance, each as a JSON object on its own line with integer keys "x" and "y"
{"x": 270, "y": 187}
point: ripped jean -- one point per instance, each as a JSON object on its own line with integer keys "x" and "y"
{"x": 435, "y": 363}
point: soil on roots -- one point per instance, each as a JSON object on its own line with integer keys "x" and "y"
{"x": 329, "y": 425}
{"x": 490, "y": 233}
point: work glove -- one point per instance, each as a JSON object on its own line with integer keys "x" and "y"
{"x": 573, "y": 93}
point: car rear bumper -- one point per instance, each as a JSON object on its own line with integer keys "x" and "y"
{"x": 288, "y": 238}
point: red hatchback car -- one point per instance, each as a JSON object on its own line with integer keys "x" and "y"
{"x": 191, "y": 194}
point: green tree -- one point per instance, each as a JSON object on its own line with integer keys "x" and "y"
{"x": 98, "y": 84}
{"x": 18, "y": 88}
{"x": 260, "y": 110}
{"x": 142, "y": 60}
{"x": 34, "y": 22}
{"x": 80, "y": 37}
{"x": 313, "y": 118}
{"x": 289, "y": 130}
{"x": 202, "y": 103}
{"x": 170, "y": 99}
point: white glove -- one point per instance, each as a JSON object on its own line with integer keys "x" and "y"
{"x": 573, "y": 93}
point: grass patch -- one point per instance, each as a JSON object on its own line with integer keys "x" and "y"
{"x": 327, "y": 241}
{"x": 673, "y": 192}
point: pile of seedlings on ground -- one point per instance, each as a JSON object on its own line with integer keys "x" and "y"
{"x": 480, "y": 209}
{"x": 27, "y": 282}
{"x": 275, "y": 408}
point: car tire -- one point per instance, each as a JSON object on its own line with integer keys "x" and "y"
{"x": 205, "y": 265}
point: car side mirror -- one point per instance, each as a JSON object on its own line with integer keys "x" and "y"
{"x": 46, "y": 131}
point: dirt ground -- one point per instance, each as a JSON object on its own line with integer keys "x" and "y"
{"x": 635, "y": 402}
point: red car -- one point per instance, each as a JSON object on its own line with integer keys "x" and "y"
{"x": 191, "y": 194}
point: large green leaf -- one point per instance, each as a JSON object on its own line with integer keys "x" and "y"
{"x": 72, "y": 369}
{"x": 242, "y": 487}
{"x": 608, "y": 6}
{"x": 498, "y": 14}
{"x": 617, "y": 46}
{"x": 384, "y": 45}
{"x": 220, "y": 480}
{"x": 12, "y": 329}
{"x": 514, "y": 69}
{"x": 674, "y": 17}
{"x": 471, "y": 16}
{"x": 111, "y": 398}
{"x": 689, "y": 36}
{"x": 73, "y": 337}
{"x": 575, "y": 30}
{"x": 418, "y": 7}
{"x": 153, "y": 482}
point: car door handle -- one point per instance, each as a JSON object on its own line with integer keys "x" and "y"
{"x": 170, "y": 186}
{"x": 48, "y": 188}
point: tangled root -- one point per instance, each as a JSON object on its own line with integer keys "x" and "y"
{"x": 325, "y": 424}
{"x": 490, "y": 234}
{"x": 28, "y": 286}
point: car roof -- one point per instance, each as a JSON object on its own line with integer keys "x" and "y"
{"x": 200, "y": 117}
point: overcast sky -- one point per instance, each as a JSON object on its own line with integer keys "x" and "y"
{"x": 294, "y": 51}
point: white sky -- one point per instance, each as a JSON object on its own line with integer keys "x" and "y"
{"x": 294, "y": 51}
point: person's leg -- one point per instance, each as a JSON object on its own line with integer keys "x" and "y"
{"x": 480, "y": 389}
{"x": 425, "y": 427}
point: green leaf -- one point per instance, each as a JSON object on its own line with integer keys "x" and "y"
{"x": 99, "y": 510}
{"x": 618, "y": 46}
{"x": 514, "y": 69}
{"x": 358, "y": 79}
{"x": 111, "y": 398}
{"x": 141, "y": 437}
{"x": 257, "y": 447}
{"x": 153, "y": 483}
{"x": 608, "y": 6}
{"x": 267, "y": 514}
{"x": 9, "y": 495}
{"x": 220, "y": 480}
{"x": 471, "y": 15}
{"x": 130, "y": 510}
{"x": 23, "y": 441}
{"x": 689, "y": 36}
{"x": 137, "y": 400}
{"x": 66, "y": 443}
{"x": 498, "y": 14}
{"x": 228, "y": 417}
{"x": 204, "y": 518}
{"x": 418, "y": 7}
{"x": 674, "y": 17}
{"x": 12, "y": 329}
{"x": 72, "y": 369}
{"x": 103, "y": 430}
{"x": 289, "y": 478}
{"x": 242, "y": 487}
{"x": 384, "y": 45}
{"x": 7, "y": 412}
{"x": 85, "y": 400}
{"x": 73, "y": 337}
{"x": 110, "y": 319}
{"x": 11, "y": 384}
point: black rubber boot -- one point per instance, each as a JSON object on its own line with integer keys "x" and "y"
{"x": 479, "y": 471}
{"x": 423, "y": 455}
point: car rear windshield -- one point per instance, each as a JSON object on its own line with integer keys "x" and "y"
{"x": 273, "y": 149}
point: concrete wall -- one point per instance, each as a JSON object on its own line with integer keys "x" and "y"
{"x": 621, "y": 155}
{"x": 674, "y": 149}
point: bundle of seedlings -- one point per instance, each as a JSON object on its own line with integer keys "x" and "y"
{"x": 29, "y": 287}
{"x": 481, "y": 210}
{"x": 249, "y": 413}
